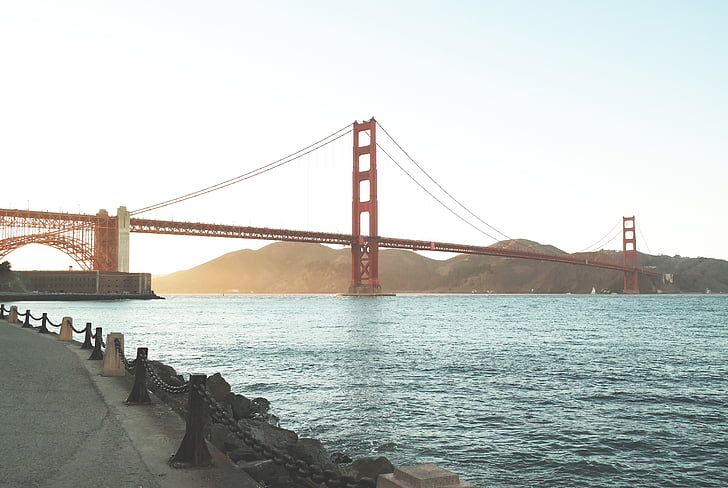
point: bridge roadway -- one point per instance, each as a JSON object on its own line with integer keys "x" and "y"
{"x": 65, "y": 426}
{"x": 263, "y": 233}
{"x": 50, "y": 226}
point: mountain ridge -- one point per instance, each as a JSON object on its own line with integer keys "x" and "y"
{"x": 285, "y": 267}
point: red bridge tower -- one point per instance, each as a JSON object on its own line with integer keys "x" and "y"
{"x": 365, "y": 242}
{"x": 629, "y": 250}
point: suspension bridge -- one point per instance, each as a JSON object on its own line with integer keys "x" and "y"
{"x": 101, "y": 241}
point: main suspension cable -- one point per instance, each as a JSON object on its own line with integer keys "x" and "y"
{"x": 441, "y": 188}
{"x": 601, "y": 241}
{"x": 250, "y": 174}
{"x": 642, "y": 236}
{"x": 434, "y": 197}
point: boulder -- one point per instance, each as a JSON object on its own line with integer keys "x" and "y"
{"x": 218, "y": 387}
{"x": 241, "y": 406}
{"x": 313, "y": 452}
{"x": 340, "y": 458}
{"x": 218, "y": 434}
{"x": 367, "y": 467}
{"x": 260, "y": 405}
{"x": 266, "y": 471}
{"x": 243, "y": 453}
{"x": 269, "y": 434}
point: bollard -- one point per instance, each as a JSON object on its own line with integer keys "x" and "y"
{"x": 139, "y": 394}
{"x": 2, "y": 311}
{"x": 13, "y": 314}
{"x": 43, "y": 321}
{"x": 26, "y": 322}
{"x": 66, "y": 333}
{"x": 112, "y": 361}
{"x": 421, "y": 476}
{"x": 87, "y": 337}
{"x": 97, "y": 353}
{"x": 193, "y": 449}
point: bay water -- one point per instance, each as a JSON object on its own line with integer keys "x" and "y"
{"x": 505, "y": 390}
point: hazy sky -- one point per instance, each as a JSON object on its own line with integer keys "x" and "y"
{"x": 550, "y": 120}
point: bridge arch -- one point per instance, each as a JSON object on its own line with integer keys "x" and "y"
{"x": 95, "y": 242}
{"x": 76, "y": 249}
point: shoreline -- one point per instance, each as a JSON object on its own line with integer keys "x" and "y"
{"x": 59, "y": 297}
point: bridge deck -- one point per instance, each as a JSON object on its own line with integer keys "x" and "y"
{"x": 264, "y": 233}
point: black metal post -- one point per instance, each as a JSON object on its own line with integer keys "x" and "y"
{"x": 97, "y": 353}
{"x": 26, "y": 322}
{"x": 139, "y": 394}
{"x": 87, "y": 338}
{"x": 193, "y": 449}
{"x": 2, "y": 311}
{"x": 43, "y": 321}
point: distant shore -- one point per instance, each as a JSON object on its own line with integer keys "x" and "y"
{"x": 45, "y": 297}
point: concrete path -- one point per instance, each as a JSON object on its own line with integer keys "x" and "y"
{"x": 63, "y": 425}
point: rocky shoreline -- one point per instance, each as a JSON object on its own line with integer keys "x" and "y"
{"x": 254, "y": 415}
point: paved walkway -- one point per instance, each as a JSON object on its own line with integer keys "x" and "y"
{"x": 64, "y": 425}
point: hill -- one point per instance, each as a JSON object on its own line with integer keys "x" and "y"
{"x": 313, "y": 268}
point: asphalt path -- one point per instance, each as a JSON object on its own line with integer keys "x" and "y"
{"x": 64, "y": 425}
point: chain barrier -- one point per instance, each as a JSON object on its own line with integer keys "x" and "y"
{"x": 3, "y": 310}
{"x": 44, "y": 321}
{"x": 26, "y": 322}
{"x": 129, "y": 365}
{"x": 97, "y": 353}
{"x": 98, "y": 337}
{"x": 48, "y": 321}
{"x": 172, "y": 389}
{"x": 87, "y": 337}
{"x": 298, "y": 467}
{"x": 32, "y": 317}
{"x": 82, "y": 331}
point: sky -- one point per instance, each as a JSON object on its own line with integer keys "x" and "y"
{"x": 548, "y": 120}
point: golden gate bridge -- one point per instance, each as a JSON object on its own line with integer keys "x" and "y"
{"x": 101, "y": 241}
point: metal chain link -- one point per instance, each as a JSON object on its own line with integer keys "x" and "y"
{"x": 48, "y": 322}
{"x": 34, "y": 318}
{"x": 78, "y": 331}
{"x": 129, "y": 365}
{"x": 298, "y": 467}
{"x": 173, "y": 389}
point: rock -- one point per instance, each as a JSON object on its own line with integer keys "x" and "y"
{"x": 243, "y": 453}
{"x": 218, "y": 387}
{"x": 313, "y": 452}
{"x": 241, "y": 406}
{"x": 367, "y": 467}
{"x": 166, "y": 373}
{"x": 269, "y": 434}
{"x": 340, "y": 458}
{"x": 218, "y": 434}
{"x": 265, "y": 471}
{"x": 260, "y": 405}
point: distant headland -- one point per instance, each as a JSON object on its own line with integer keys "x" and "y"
{"x": 314, "y": 268}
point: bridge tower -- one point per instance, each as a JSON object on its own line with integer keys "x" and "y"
{"x": 629, "y": 251}
{"x": 111, "y": 241}
{"x": 365, "y": 241}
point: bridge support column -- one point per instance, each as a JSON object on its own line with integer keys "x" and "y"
{"x": 122, "y": 228}
{"x": 629, "y": 251}
{"x": 364, "y": 243}
{"x": 105, "y": 242}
